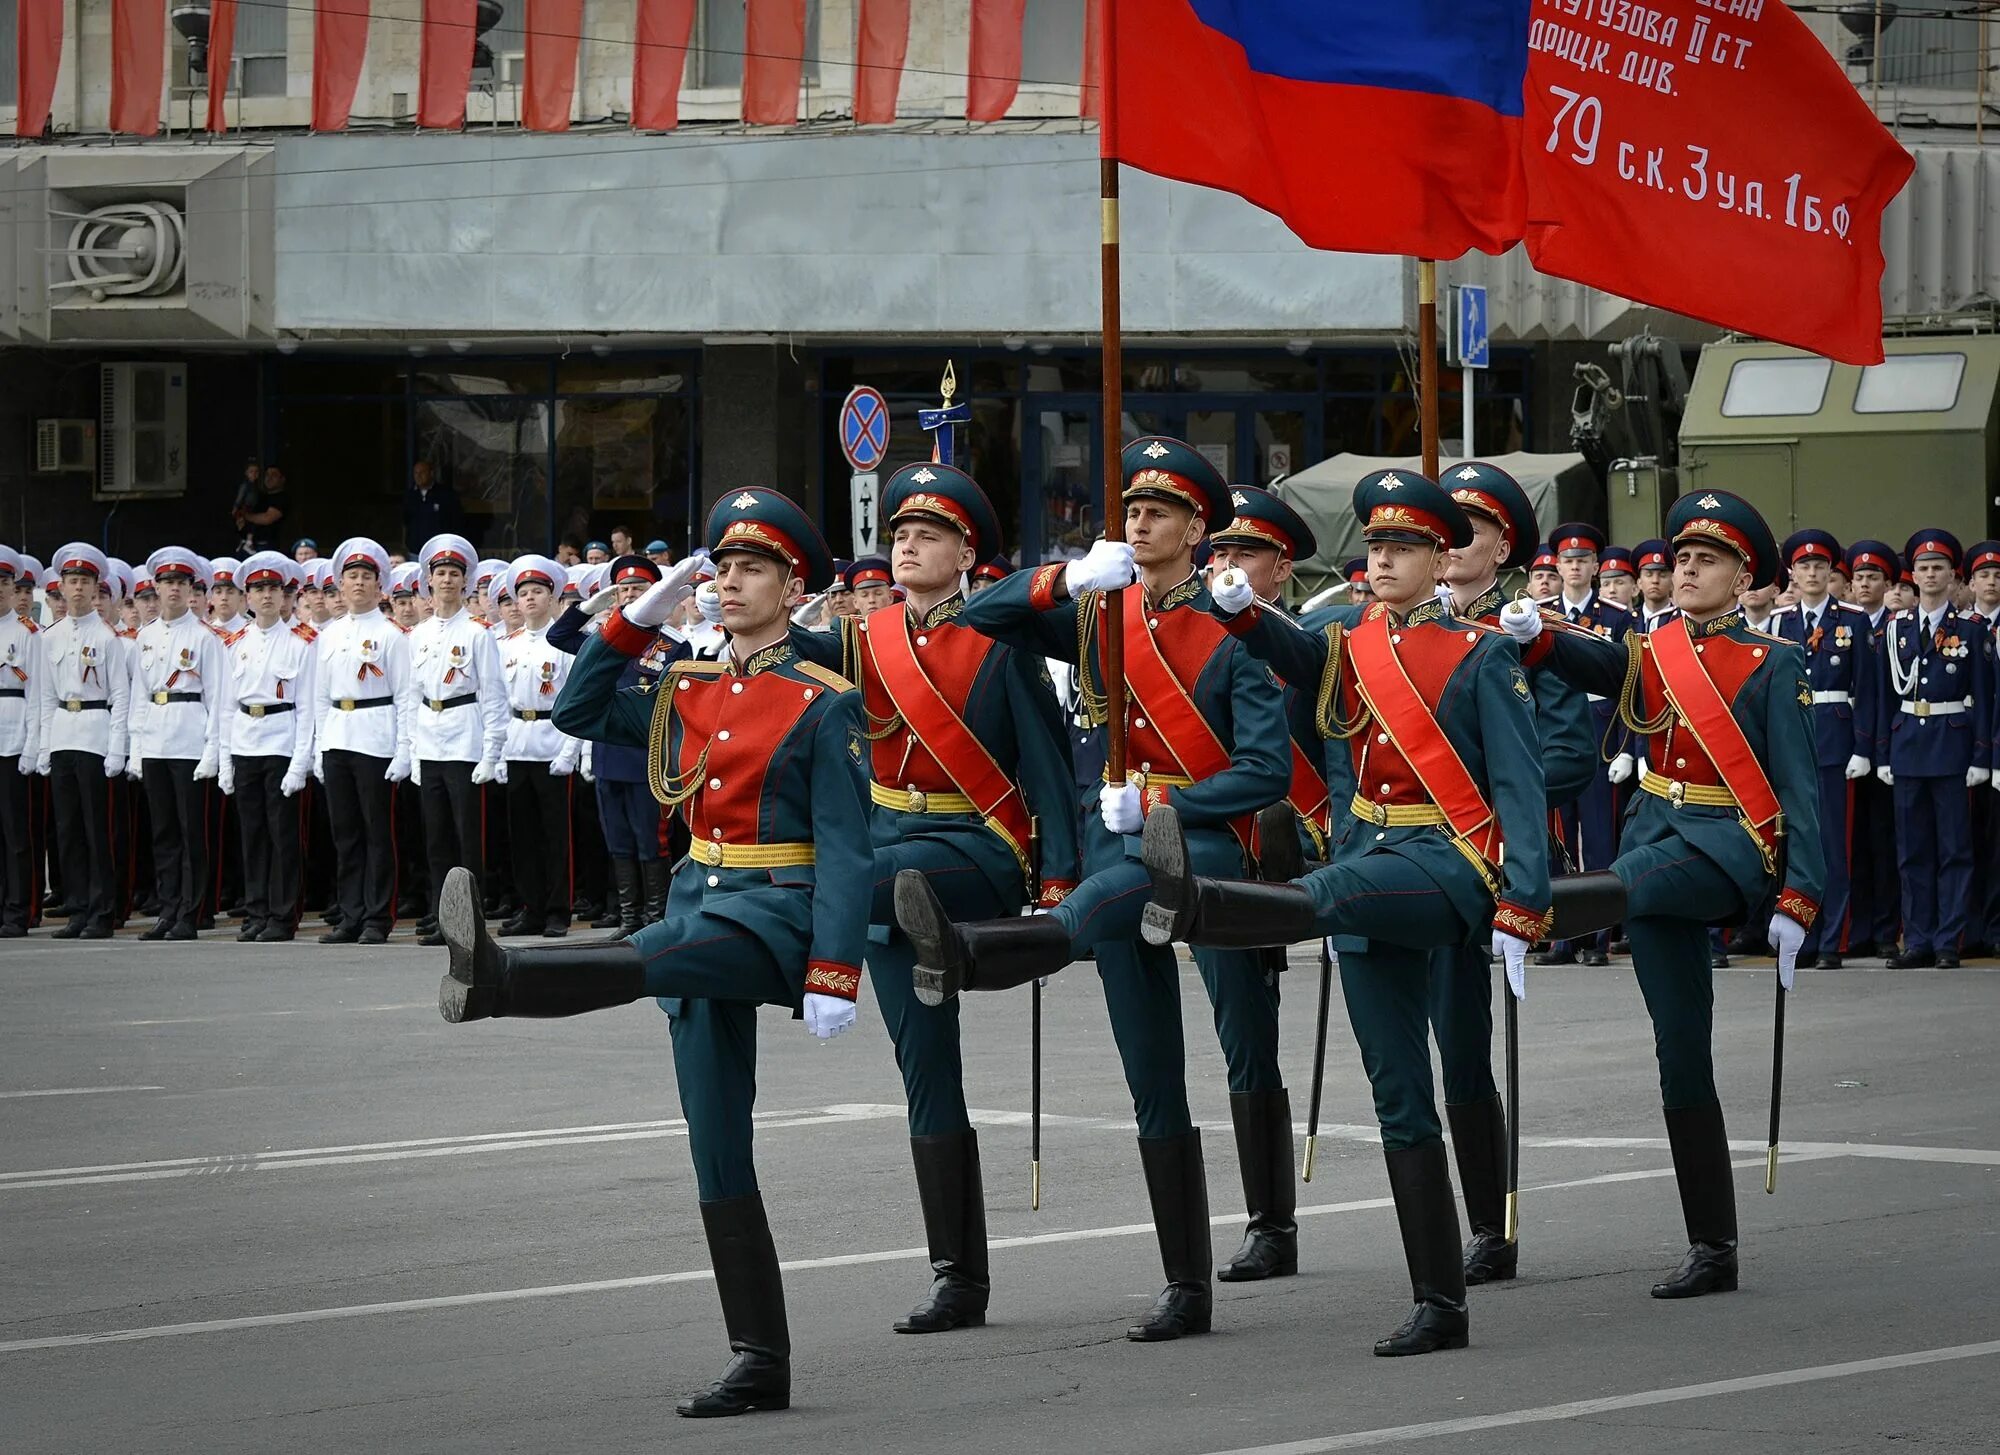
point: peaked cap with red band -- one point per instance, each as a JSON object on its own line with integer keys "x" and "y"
{"x": 80, "y": 556}
{"x": 177, "y": 561}
{"x": 1985, "y": 553}
{"x": 1159, "y": 467}
{"x": 535, "y": 570}
{"x": 1616, "y": 561}
{"x": 948, "y": 495}
{"x": 222, "y": 571}
{"x": 1933, "y": 543}
{"x": 771, "y": 525}
{"x": 360, "y": 551}
{"x": 1718, "y": 518}
{"x": 1402, "y": 505}
{"x": 1875, "y": 556}
{"x": 997, "y": 569}
{"x": 268, "y": 568}
{"x": 1262, "y": 519}
{"x": 448, "y": 550}
{"x": 868, "y": 571}
{"x": 1485, "y": 489}
{"x": 633, "y": 568}
{"x": 1810, "y": 545}
{"x": 1653, "y": 555}
{"x": 1577, "y": 538}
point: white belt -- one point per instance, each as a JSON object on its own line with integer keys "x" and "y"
{"x": 1933, "y": 709}
{"x": 1821, "y": 698}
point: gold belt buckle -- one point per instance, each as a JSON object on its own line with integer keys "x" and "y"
{"x": 1378, "y": 814}
{"x": 1677, "y": 793}
{"x": 346, "y": 704}
{"x": 706, "y": 852}
{"x": 72, "y": 704}
{"x": 435, "y": 704}
{"x": 531, "y": 715}
{"x": 1923, "y": 708}
{"x": 256, "y": 709}
{"x": 159, "y": 699}
{"x": 919, "y": 800}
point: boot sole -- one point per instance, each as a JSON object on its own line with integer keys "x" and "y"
{"x": 1168, "y": 916}
{"x": 967, "y": 1321}
{"x": 1676, "y": 1291}
{"x": 1455, "y": 1341}
{"x": 939, "y": 972}
{"x": 693, "y": 1411}
{"x": 462, "y": 922}
{"x": 1231, "y": 1273}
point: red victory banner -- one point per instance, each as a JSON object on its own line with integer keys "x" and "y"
{"x": 1712, "y": 158}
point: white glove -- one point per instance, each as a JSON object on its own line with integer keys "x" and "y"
{"x": 602, "y": 602}
{"x": 500, "y": 772}
{"x": 417, "y": 771}
{"x": 1108, "y": 567}
{"x": 1857, "y": 767}
{"x": 561, "y": 768}
{"x": 26, "y": 765}
{"x": 1620, "y": 769}
{"x": 225, "y": 777}
{"x": 1513, "y": 952}
{"x": 708, "y": 601}
{"x": 1788, "y": 935}
{"x": 1521, "y": 620}
{"x": 585, "y": 766}
{"x": 398, "y": 769}
{"x": 1231, "y": 590}
{"x": 828, "y": 1015}
{"x": 42, "y": 764}
{"x": 293, "y": 781}
{"x": 663, "y": 595}
{"x": 113, "y": 766}
{"x": 206, "y": 768}
{"x": 1978, "y": 777}
{"x": 135, "y": 768}
{"x": 319, "y": 765}
{"x": 1887, "y": 775}
{"x": 483, "y": 770}
{"x": 1121, "y": 809}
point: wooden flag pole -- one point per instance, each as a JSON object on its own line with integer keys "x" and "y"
{"x": 1112, "y": 634}
{"x": 1427, "y": 361}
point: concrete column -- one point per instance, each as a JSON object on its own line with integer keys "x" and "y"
{"x": 757, "y": 423}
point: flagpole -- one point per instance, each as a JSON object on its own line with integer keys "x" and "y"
{"x": 1112, "y": 406}
{"x": 1427, "y": 361}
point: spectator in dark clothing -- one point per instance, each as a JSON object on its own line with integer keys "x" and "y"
{"x": 259, "y": 508}
{"x": 430, "y": 507}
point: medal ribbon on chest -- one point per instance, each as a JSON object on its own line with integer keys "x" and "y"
{"x": 548, "y": 688}
{"x": 90, "y": 659}
{"x": 369, "y": 651}
{"x": 185, "y": 669}
{"x": 457, "y": 667}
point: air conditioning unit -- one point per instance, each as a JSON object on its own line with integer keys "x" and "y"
{"x": 64, "y": 445}
{"x": 142, "y": 441}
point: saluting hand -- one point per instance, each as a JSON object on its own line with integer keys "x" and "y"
{"x": 663, "y": 595}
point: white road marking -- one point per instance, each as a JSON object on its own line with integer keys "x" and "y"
{"x": 75, "y": 1091}
{"x": 247, "y": 1015}
{"x": 1583, "y": 1408}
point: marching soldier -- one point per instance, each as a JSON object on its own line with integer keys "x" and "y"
{"x": 1844, "y": 677}
{"x": 1207, "y": 733}
{"x": 20, "y": 733}
{"x": 761, "y": 754}
{"x": 267, "y": 745}
{"x": 540, "y": 757}
{"x": 1438, "y": 729}
{"x": 969, "y": 782}
{"x": 180, "y": 689}
{"x": 1876, "y": 895}
{"x": 1938, "y": 748}
{"x": 362, "y": 707}
{"x": 82, "y": 699}
{"x": 458, "y": 732}
{"x": 1730, "y": 806}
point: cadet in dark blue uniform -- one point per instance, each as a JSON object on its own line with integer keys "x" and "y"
{"x": 1875, "y": 892}
{"x": 1724, "y": 716}
{"x": 1206, "y": 733}
{"x": 760, "y": 753}
{"x": 1590, "y": 824}
{"x": 969, "y": 779}
{"x": 1982, "y": 924}
{"x": 1655, "y": 604}
{"x": 1844, "y": 676}
{"x": 1939, "y": 747}
{"x": 1435, "y": 720}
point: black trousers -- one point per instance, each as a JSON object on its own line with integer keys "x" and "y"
{"x": 592, "y": 872}
{"x": 272, "y": 827}
{"x": 17, "y": 857}
{"x": 176, "y": 808}
{"x": 316, "y": 872}
{"x": 454, "y": 823}
{"x": 225, "y": 888}
{"x": 80, "y": 803}
{"x": 412, "y": 860}
{"x": 538, "y": 826}
{"x": 360, "y": 805}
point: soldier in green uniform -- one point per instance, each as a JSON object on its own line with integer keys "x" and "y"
{"x": 1727, "y": 813}
{"x": 760, "y": 754}
{"x": 1435, "y": 719}
{"x": 1205, "y": 731}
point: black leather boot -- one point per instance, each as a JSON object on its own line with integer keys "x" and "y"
{"x": 955, "y": 1228}
{"x": 759, "y": 1377}
{"x": 654, "y": 877}
{"x": 1707, "y": 1183}
{"x": 1237, "y": 914}
{"x": 1263, "y": 1121}
{"x": 486, "y": 979}
{"x": 1177, "y": 1185}
{"x": 631, "y": 898}
{"x": 1420, "y": 1178}
{"x": 1479, "y": 1142}
{"x": 996, "y": 954}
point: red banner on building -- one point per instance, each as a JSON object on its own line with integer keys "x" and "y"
{"x": 554, "y": 29}
{"x": 659, "y": 62}
{"x": 221, "y": 54}
{"x": 138, "y": 65}
{"x": 1712, "y": 160}
{"x": 39, "y": 45}
{"x": 774, "y": 47}
{"x": 994, "y": 63}
{"x": 444, "y": 67}
{"x": 340, "y": 44}
{"x": 881, "y": 43}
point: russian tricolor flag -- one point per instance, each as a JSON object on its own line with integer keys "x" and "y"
{"x": 1378, "y": 126}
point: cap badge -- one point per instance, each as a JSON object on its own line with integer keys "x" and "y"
{"x": 1708, "y": 502}
{"x": 1237, "y": 497}
{"x": 743, "y": 501}
{"x": 1469, "y": 473}
{"x": 1155, "y": 451}
{"x": 1390, "y": 482}
{"x": 924, "y": 476}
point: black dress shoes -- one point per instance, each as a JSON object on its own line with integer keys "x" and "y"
{"x": 1916, "y": 961}
{"x": 344, "y": 934}
{"x": 1708, "y": 1268}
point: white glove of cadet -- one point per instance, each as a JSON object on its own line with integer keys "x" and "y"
{"x": 1521, "y": 620}
{"x": 1513, "y": 952}
{"x": 135, "y": 768}
{"x": 663, "y": 595}
{"x": 585, "y": 767}
{"x": 1788, "y": 935}
{"x": 319, "y": 766}
{"x": 113, "y": 766}
{"x": 26, "y": 765}
{"x": 1107, "y": 567}
{"x": 1119, "y": 805}
{"x": 293, "y": 781}
{"x": 482, "y": 771}
{"x": 563, "y": 766}
{"x": 206, "y": 768}
{"x": 708, "y": 601}
{"x": 43, "y": 765}
{"x": 417, "y": 771}
{"x": 398, "y": 769}
{"x": 1621, "y": 768}
{"x": 828, "y": 1015}
{"x": 1887, "y": 775}
{"x": 500, "y": 772}
{"x": 225, "y": 776}
{"x": 1978, "y": 777}
{"x": 1231, "y": 590}
{"x": 1857, "y": 767}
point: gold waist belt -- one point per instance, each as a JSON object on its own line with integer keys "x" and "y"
{"x": 749, "y": 856}
{"x": 916, "y": 800}
{"x": 1163, "y": 780}
{"x": 1396, "y": 815}
{"x": 1678, "y": 793}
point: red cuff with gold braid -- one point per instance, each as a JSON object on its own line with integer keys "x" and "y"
{"x": 1054, "y": 892}
{"x": 1154, "y": 796}
{"x": 824, "y": 977}
{"x": 1535, "y": 651}
{"x": 621, "y": 636}
{"x": 1240, "y": 624}
{"x": 1796, "y": 905}
{"x": 1042, "y": 588}
{"x": 1520, "y": 923}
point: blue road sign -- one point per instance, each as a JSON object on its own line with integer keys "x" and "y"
{"x": 864, "y": 428}
{"x": 1474, "y": 348}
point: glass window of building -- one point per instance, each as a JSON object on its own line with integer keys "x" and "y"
{"x": 721, "y": 28}
{"x": 260, "y": 49}
{"x": 508, "y": 40}
{"x": 1760, "y": 387}
{"x": 9, "y": 42}
{"x": 1052, "y": 42}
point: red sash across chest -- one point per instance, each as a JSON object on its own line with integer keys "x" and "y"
{"x": 1676, "y": 752}
{"x": 1700, "y": 680}
{"x": 741, "y": 723}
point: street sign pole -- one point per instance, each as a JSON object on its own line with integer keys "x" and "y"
{"x": 1470, "y": 349}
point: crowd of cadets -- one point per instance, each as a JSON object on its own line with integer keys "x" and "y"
{"x": 801, "y": 770}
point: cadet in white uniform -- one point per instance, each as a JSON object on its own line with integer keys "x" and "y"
{"x": 539, "y": 759}
{"x": 20, "y": 733}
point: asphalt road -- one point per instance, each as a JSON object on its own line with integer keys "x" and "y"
{"x": 262, "y": 1198}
